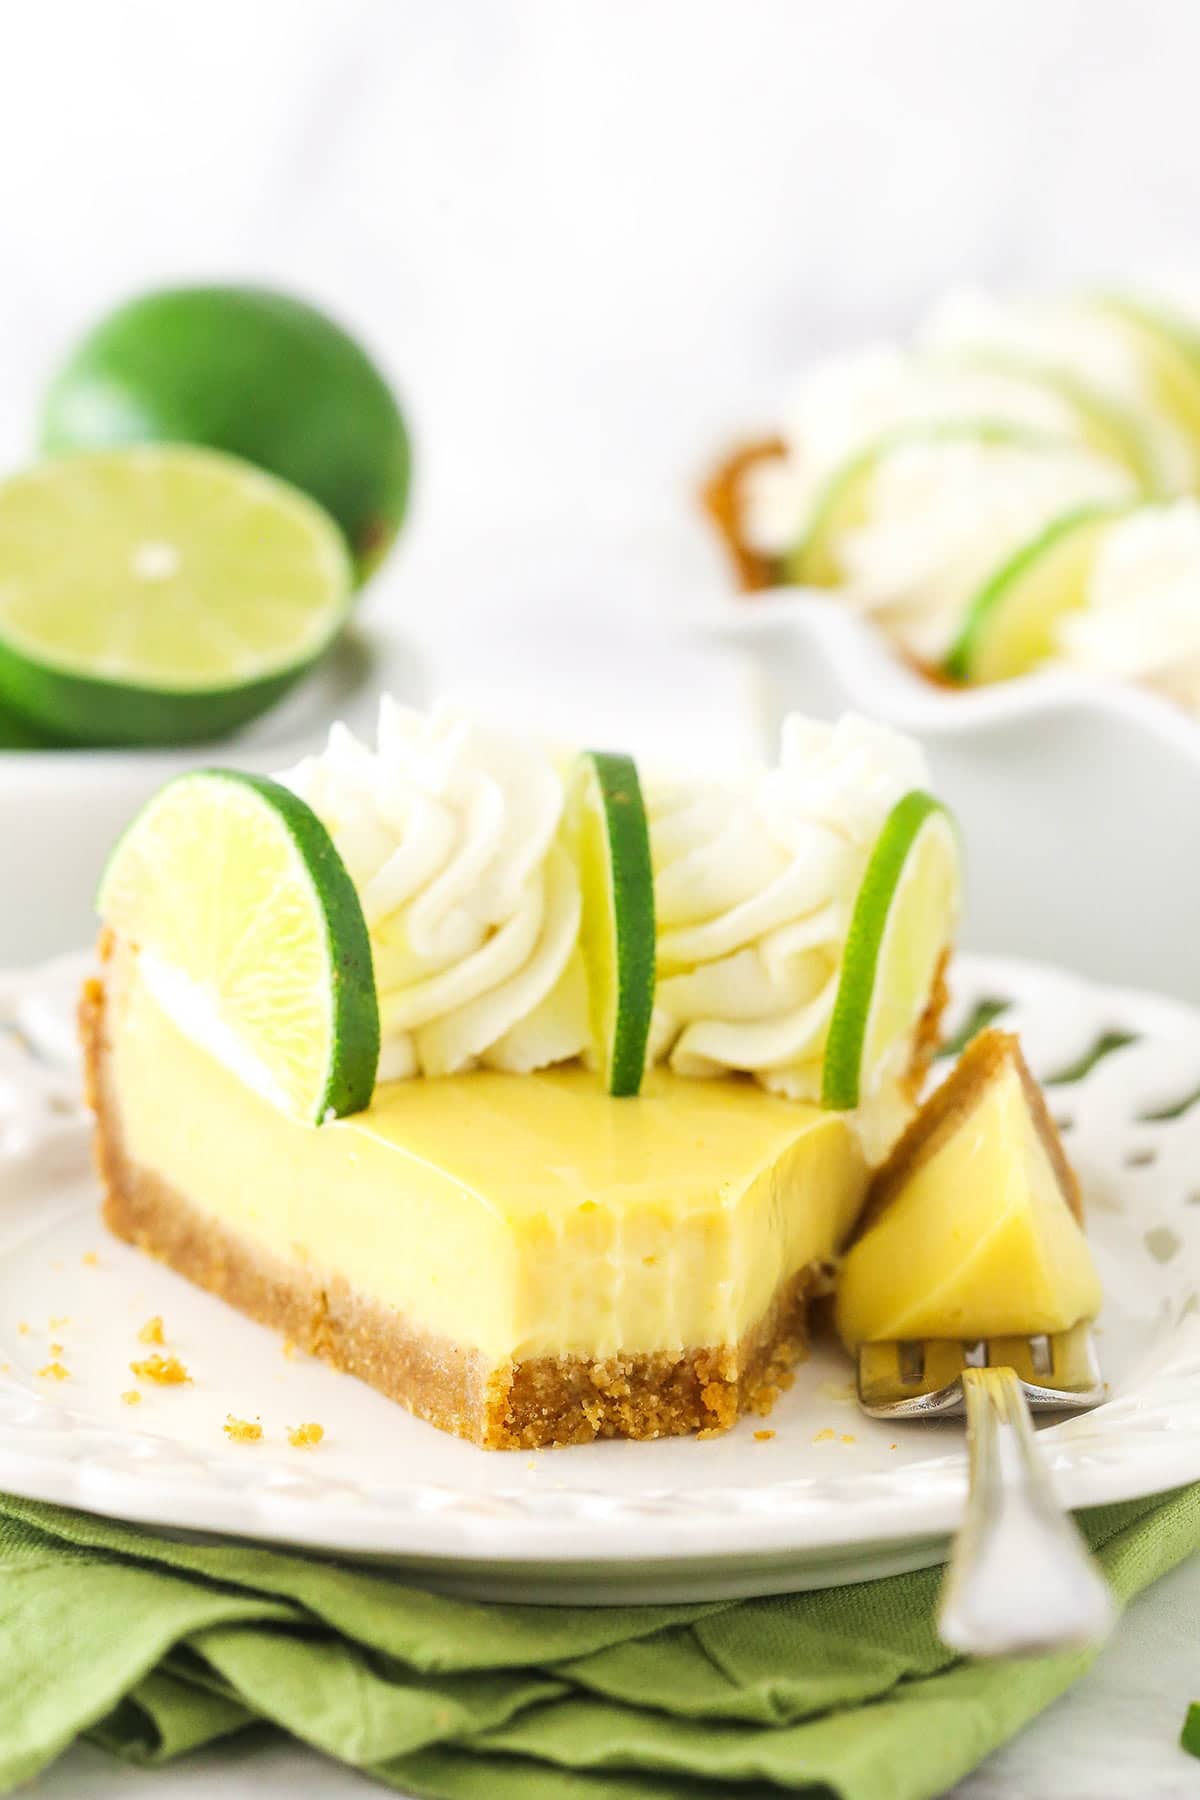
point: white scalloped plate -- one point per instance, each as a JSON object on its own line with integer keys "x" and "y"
{"x": 830, "y": 1497}
{"x": 1078, "y": 798}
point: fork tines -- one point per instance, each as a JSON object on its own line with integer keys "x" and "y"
{"x": 921, "y": 1377}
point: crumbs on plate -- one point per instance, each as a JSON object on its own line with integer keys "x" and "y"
{"x": 763, "y": 1437}
{"x": 168, "y": 1371}
{"x": 305, "y": 1437}
{"x": 242, "y": 1431}
{"x": 152, "y": 1331}
{"x": 828, "y": 1436}
{"x": 132, "y": 1397}
{"x": 53, "y": 1371}
{"x": 90, "y": 1260}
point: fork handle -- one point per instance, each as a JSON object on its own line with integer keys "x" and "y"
{"x": 1021, "y": 1581}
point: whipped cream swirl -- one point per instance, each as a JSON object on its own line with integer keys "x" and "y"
{"x": 755, "y": 882}
{"x": 848, "y": 402}
{"x": 1142, "y": 619}
{"x": 944, "y": 516}
{"x": 451, "y": 834}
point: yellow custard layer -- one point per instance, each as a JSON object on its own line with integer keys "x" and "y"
{"x": 522, "y": 1215}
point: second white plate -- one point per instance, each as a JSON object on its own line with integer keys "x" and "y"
{"x": 828, "y": 1497}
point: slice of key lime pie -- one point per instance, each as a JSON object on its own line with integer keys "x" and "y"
{"x": 538, "y": 1096}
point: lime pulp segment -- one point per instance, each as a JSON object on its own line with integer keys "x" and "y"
{"x": 903, "y": 922}
{"x": 612, "y": 842}
{"x": 250, "y": 929}
{"x": 1010, "y": 625}
{"x": 160, "y": 594}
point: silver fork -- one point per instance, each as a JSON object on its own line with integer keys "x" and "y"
{"x": 1021, "y": 1580}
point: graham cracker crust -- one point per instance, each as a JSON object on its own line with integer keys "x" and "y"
{"x": 723, "y": 499}
{"x": 529, "y": 1405}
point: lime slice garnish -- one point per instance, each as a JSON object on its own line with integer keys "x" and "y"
{"x": 1168, "y": 349}
{"x": 1106, "y": 426}
{"x": 612, "y": 849}
{"x": 1010, "y": 624}
{"x": 903, "y": 921}
{"x": 160, "y": 595}
{"x": 844, "y": 503}
{"x": 250, "y": 931}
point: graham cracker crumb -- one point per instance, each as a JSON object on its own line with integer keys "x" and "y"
{"x": 710, "y": 1431}
{"x": 90, "y": 1260}
{"x": 53, "y": 1371}
{"x": 168, "y": 1371}
{"x": 132, "y": 1397}
{"x": 23, "y": 1328}
{"x": 305, "y": 1437}
{"x": 243, "y": 1431}
{"x": 763, "y": 1437}
{"x": 849, "y": 1438}
{"x": 827, "y": 1436}
{"x": 56, "y": 1349}
{"x": 152, "y": 1331}
{"x": 289, "y": 1349}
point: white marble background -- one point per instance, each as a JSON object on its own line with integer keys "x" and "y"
{"x": 589, "y": 238}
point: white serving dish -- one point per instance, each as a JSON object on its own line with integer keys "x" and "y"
{"x": 831, "y": 1497}
{"x": 1079, "y": 799}
{"x": 61, "y": 811}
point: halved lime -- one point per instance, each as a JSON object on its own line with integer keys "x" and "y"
{"x": 903, "y": 921}
{"x": 160, "y": 595}
{"x": 1169, "y": 351}
{"x": 251, "y": 933}
{"x": 843, "y": 504}
{"x": 612, "y": 847}
{"x": 1010, "y": 625}
{"x": 258, "y": 374}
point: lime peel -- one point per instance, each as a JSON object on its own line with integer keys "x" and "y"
{"x": 252, "y": 934}
{"x": 617, "y": 936}
{"x": 1008, "y": 627}
{"x": 902, "y": 923}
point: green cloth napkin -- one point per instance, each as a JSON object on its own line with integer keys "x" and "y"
{"x": 153, "y": 1647}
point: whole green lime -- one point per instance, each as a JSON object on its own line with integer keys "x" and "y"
{"x": 252, "y": 372}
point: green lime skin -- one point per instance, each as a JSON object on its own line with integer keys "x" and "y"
{"x": 252, "y": 372}
{"x": 356, "y": 1030}
{"x": 92, "y": 713}
{"x": 848, "y": 1026}
{"x": 17, "y": 734}
{"x": 632, "y": 876}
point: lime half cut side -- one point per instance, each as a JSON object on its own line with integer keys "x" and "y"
{"x": 903, "y": 922}
{"x": 844, "y": 503}
{"x": 1011, "y": 625}
{"x": 250, "y": 932}
{"x": 161, "y": 594}
{"x": 612, "y": 847}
